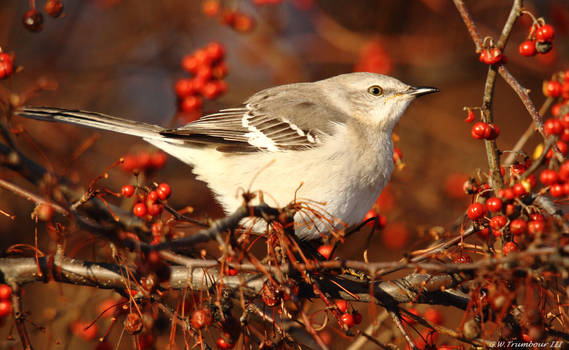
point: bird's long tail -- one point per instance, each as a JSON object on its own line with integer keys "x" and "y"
{"x": 93, "y": 120}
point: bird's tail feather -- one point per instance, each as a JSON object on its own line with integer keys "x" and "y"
{"x": 91, "y": 119}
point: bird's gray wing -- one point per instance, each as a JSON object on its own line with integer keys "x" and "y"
{"x": 288, "y": 117}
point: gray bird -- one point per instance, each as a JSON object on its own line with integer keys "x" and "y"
{"x": 327, "y": 143}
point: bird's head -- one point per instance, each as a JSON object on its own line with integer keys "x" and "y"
{"x": 374, "y": 99}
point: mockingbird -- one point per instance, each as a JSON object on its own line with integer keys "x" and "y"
{"x": 327, "y": 143}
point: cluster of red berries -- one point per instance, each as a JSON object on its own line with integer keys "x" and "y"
{"x": 504, "y": 216}
{"x": 350, "y": 319}
{"x": 5, "y": 301}
{"x": 33, "y": 19}
{"x": 236, "y": 20}
{"x": 539, "y": 39}
{"x": 558, "y": 86}
{"x": 6, "y": 64}
{"x": 484, "y": 131}
{"x": 143, "y": 161}
{"x": 558, "y": 181}
{"x": 481, "y": 130}
{"x": 491, "y": 55}
{"x": 208, "y": 70}
{"x": 148, "y": 204}
{"x": 506, "y": 221}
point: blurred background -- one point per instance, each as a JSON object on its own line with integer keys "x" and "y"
{"x": 123, "y": 57}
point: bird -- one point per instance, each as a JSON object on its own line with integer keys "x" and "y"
{"x": 327, "y": 143}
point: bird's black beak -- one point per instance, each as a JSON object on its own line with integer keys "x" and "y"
{"x": 421, "y": 90}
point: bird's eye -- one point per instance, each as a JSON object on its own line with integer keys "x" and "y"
{"x": 375, "y": 90}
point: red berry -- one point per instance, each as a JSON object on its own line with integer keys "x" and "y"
{"x": 565, "y": 135}
{"x": 519, "y": 190}
{"x": 506, "y": 193}
{"x": 552, "y": 126}
{"x": 140, "y": 210}
{"x": 204, "y": 73}
{"x": 158, "y": 159}
{"x": 536, "y": 227}
{"x": 33, "y": 20}
{"x": 556, "y": 109}
{"x": 480, "y": 130}
{"x": 556, "y": 190}
{"x": 44, "y": 212}
{"x": 566, "y": 188}
{"x": 548, "y": 177}
{"x": 54, "y": 8}
{"x": 164, "y": 191}
{"x": 152, "y": 196}
{"x": 518, "y": 226}
{"x": 348, "y": 319}
{"x": 6, "y": 65}
{"x": 537, "y": 217}
{"x": 5, "y": 292}
{"x": 490, "y": 56}
{"x": 565, "y": 118}
{"x": 224, "y": 344}
{"x": 201, "y": 318}
{"x": 564, "y": 171}
{"x": 5, "y": 308}
{"x": 476, "y": 211}
{"x": 127, "y": 191}
{"x": 221, "y": 86}
{"x": 184, "y": 87}
{"x": 509, "y": 247}
{"x": 342, "y": 305}
{"x": 84, "y": 330}
{"x": 527, "y": 48}
{"x": 494, "y": 132}
{"x": 243, "y": 23}
{"x": 510, "y": 209}
{"x": 157, "y": 228}
{"x": 494, "y": 204}
{"x": 210, "y": 90}
{"x": 483, "y": 232}
{"x": 155, "y": 209}
{"x": 498, "y": 222}
{"x": 461, "y": 259}
{"x": 531, "y": 180}
{"x": 562, "y": 146}
{"x": 130, "y": 163}
{"x": 370, "y": 215}
{"x": 143, "y": 160}
{"x": 191, "y": 104}
{"x": 469, "y": 116}
{"x": 357, "y": 317}
{"x": 190, "y": 64}
{"x": 219, "y": 71}
{"x": 552, "y": 88}
{"x": 215, "y": 51}
{"x": 210, "y": 8}
{"x": 325, "y": 250}
{"x": 545, "y": 33}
